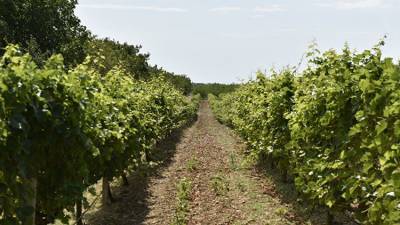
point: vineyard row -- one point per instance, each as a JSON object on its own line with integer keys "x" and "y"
{"x": 62, "y": 131}
{"x": 332, "y": 129}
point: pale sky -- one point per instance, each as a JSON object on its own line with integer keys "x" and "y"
{"x": 228, "y": 41}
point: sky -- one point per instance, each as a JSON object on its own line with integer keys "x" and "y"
{"x": 228, "y": 41}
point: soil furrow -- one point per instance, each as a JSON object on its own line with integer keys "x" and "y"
{"x": 225, "y": 187}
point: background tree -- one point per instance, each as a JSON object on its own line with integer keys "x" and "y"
{"x": 112, "y": 53}
{"x": 43, "y": 27}
{"x": 181, "y": 82}
{"x": 213, "y": 88}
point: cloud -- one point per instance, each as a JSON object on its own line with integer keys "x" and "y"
{"x": 257, "y": 35}
{"x": 287, "y": 29}
{"x": 258, "y": 16}
{"x": 353, "y": 4}
{"x": 236, "y": 35}
{"x": 226, "y": 9}
{"x": 269, "y": 8}
{"x": 132, "y": 7}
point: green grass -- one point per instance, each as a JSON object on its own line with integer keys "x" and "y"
{"x": 233, "y": 161}
{"x": 184, "y": 188}
{"x": 192, "y": 164}
{"x": 219, "y": 184}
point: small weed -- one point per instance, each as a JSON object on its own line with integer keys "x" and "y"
{"x": 241, "y": 186}
{"x": 233, "y": 161}
{"x": 184, "y": 188}
{"x": 192, "y": 164}
{"x": 220, "y": 185}
{"x": 280, "y": 211}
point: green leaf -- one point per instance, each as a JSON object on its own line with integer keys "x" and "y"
{"x": 397, "y": 128}
{"x": 382, "y": 125}
{"x": 365, "y": 85}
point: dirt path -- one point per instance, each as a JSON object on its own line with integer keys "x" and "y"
{"x": 224, "y": 188}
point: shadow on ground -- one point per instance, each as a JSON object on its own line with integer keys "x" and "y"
{"x": 131, "y": 204}
{"x": 303, "y": 212}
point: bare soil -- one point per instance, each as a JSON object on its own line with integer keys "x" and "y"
{"x": 226, "y": 188}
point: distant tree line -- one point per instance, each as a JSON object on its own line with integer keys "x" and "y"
{"x": 213, "y": 88}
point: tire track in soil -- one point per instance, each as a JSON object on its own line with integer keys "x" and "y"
{"x": 224, "y": 189}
